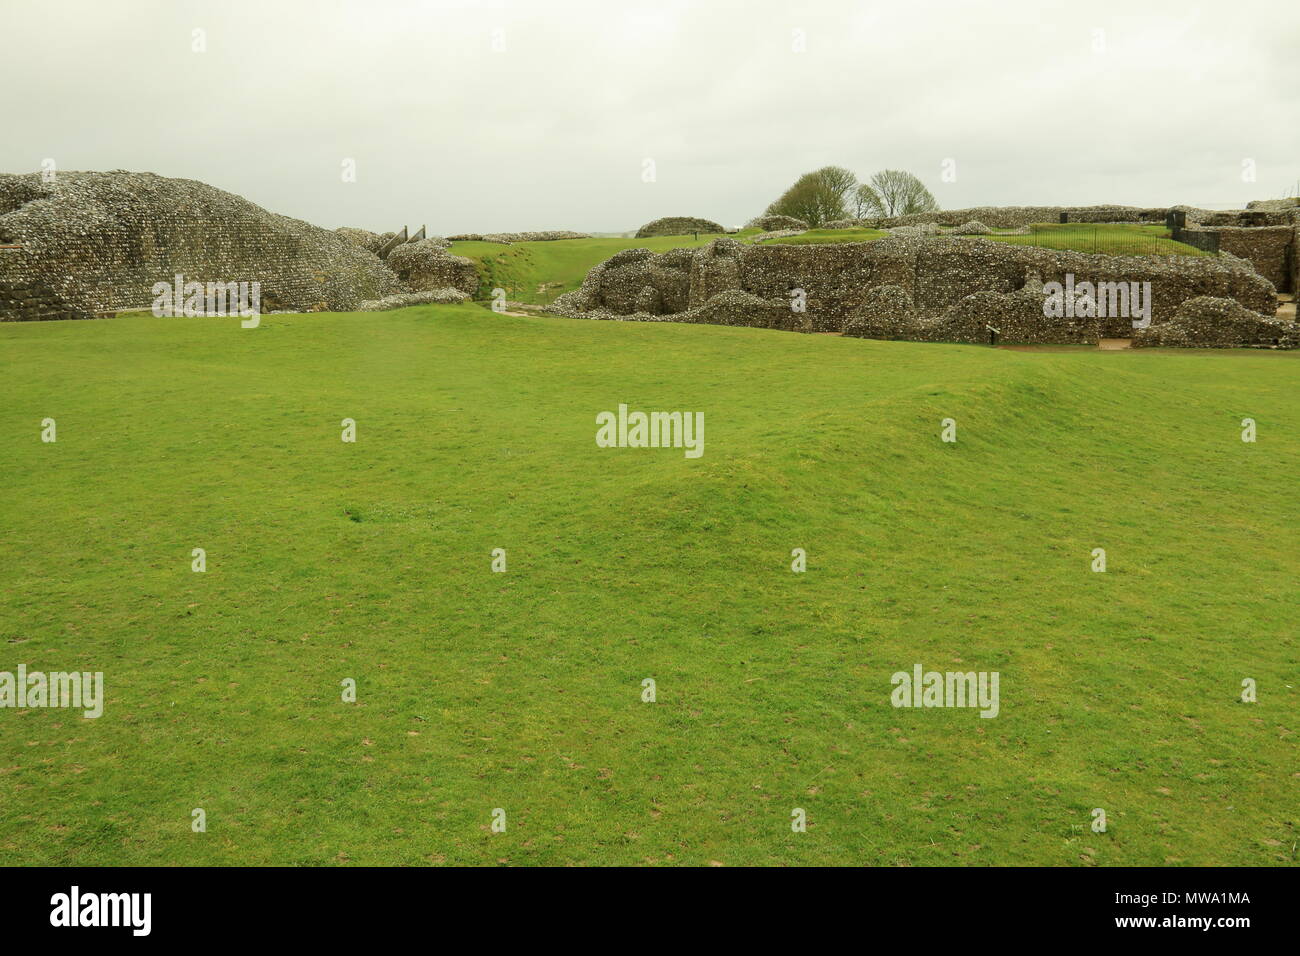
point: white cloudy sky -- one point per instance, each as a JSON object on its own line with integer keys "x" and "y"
{"x": 553, "y": 131}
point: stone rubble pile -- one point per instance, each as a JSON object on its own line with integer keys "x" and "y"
{"x": 1212, "y": 322}
{"x": 402, "y": 299}
{"x": 918, "y": 230}
{"x": 972, "y": 228}
{"x": 426, "y": 264}
{"x": 775, "y": 223}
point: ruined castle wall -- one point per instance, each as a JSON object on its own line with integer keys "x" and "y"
{"x": 835, "y": 277}
{"x": 939, "y": 273}
{"x": 1269, "y": 249}
{"x": 1013, "y": 217}
{"x": 934, "y": 275}
{"x": 950, "y": 269}
{"x": 100, "y": 241}
{"x": 1245, "y": 218}
{"x": 30, "y": 300}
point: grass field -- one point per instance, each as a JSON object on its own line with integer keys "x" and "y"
{"x": 522, "y": 690}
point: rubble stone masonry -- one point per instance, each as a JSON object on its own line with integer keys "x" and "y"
{"x": 935, "y": 289}
{"x": 98, "y": 242}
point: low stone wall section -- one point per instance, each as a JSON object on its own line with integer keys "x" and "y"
{"x": 1210, "y": 322}
{"x": 953, "y": 287}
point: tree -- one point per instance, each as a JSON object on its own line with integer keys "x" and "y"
{"x": 833, "y": 192}
{"x": 900, "y": 193}
{"x": 866, "y": 203}
{"x": 817, "y": 197}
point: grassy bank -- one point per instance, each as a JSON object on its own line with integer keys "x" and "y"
{"x": 522, "y": 690}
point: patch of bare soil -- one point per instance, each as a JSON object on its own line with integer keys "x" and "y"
{"x": 1041, "y": 348}
{"x": 1105, "y": 345}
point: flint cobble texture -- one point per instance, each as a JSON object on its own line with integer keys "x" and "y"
{"x": 678, "y": 226}
{"x": 839, "y": 283}
{"x": 100, "y": 241}
{"x": 1210, "y": 322}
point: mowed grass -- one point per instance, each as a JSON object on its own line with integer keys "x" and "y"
{"x": 522, "y": 691}
{"x": 1107, "y": 238}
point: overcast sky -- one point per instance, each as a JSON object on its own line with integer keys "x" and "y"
{"x": 1035, "y": 102}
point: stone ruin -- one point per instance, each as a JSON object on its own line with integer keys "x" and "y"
{"x": 776, "y": 223}
{"x": 1009, "y": 217}
{"x": 403, "y": 299}
{"x": 426, "y": 265}
{"x": 949, "y": 289}
{"x": 777, "y": 234}
{"x": 1266, "y": 232}
{"x": 96, "y": 243}
{"x": 1210, "y": 322}
{"x": 506, "y": 238}
{"x": 972, "y": 228}
{"x": 90, "y": 243}
{"x": 678, "y": 226}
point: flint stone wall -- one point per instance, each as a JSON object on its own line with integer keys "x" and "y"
{"x": 1008, "y": 217}
{"x": 777, "y": 234}
{"x": 99, "y": 242}
{"x": 776, "y": 223}
{"x": 425, "y": 265}
{"x": 1256, "y": 214}
{"x": 934, "y": 275}
{"x": 33, "y": 301}
{"x": 981, "y": 318}
{"x": 404, "y": 299}
{"x": 505, "y": 238}
{"x": 1210, "y": 322}
{"x": 1270, "y": 249}
{"x": 1275, "y": 205}
{"x": 677, "y": 226}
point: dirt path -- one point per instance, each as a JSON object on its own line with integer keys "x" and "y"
{"x": 1286, "y": 306}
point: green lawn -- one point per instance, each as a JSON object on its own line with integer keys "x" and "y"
{"x": 522, "y": 690}
{"x": 1108, "y": 238}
